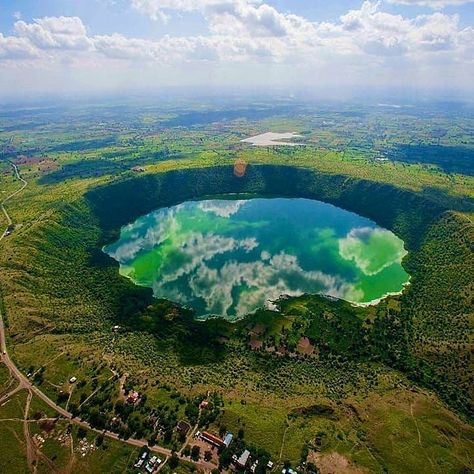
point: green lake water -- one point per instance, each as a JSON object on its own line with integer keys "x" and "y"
{"x": 229, "y": 257}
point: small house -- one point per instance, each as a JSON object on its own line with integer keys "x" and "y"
{"x": 243, "y": 459}
{"x": 133, "y": 397}
{"x": 228, "y": 439}
{"x": 183, "y": 427}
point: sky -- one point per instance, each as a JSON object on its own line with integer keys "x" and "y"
{"x": 111, "y": 46}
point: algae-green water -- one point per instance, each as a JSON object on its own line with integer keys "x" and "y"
{"x": 229, "y": 257}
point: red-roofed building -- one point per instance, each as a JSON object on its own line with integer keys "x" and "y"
{"x": 255, "y": 344}
{"x": 212, "y": 439}
{"x": 133, "y": 397}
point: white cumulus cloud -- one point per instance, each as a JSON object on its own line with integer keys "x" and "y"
{"x": 65, "y": 33}
{"x": 372, "y": 250}
{"x": 12, "y": 47}
{"x": 221, "y": 208}
{"x": 436, "y": 4}
{"x": 244, "y": 38}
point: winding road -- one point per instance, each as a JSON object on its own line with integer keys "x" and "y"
{"x": 25, "y": 384}
{"x": 2, "y": 204}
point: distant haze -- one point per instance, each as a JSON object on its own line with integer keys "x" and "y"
{"x": 102, "y": 46}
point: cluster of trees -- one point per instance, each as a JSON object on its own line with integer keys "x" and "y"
{"x": 156, "y": 422}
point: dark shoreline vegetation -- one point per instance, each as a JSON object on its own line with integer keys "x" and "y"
{"x": 71, "y": 290}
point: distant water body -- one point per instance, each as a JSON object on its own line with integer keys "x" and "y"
{"x": 229, "y": 257}
{"x": 273, "y": 139}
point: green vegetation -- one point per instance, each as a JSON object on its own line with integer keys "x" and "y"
{"x": 386, "y": 387}
{"x": 56, "y": 445}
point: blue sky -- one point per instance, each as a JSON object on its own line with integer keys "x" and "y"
{"x": 109, "y": 16}
{"x": 94, "y": 45}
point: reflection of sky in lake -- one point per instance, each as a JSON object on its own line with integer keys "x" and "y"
{"x": 229, "y": 257}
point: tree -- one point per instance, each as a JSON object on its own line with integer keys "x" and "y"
{"x": 195, "y": 452}
{"x": 174, "y": 461}
{"x": 192, "y": 412}
{"x": 74, "y": 410}
{"x": 225, "y": 457}
{"x": 97, "y": 419}
{"x": 81, "y": 432}
{"x": 62, "y": 397}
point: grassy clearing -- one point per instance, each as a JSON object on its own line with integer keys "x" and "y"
{"x": 12, "y": 448}
{"x": 396, "y": 431}
{"x": 6, "y": 381}
{"x": 412, "y": 433}
{"x": 37, "y": 406}
{"x": 58, "y": 453}
{"x": 52, "y": 361}
{"x": 262, "y": 426}
{"x": 111, "y": 456}
{"x": 12, "y": 445}
{"x": 14, "y": 407}
{"x": 183, "y": 467}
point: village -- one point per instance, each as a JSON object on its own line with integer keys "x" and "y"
{"x": 202, "y": 448}
{"x": 208, "y": 448}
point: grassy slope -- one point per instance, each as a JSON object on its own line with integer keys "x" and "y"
{"x": 392, "y": 431}
{"x": 443, "y": 290}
